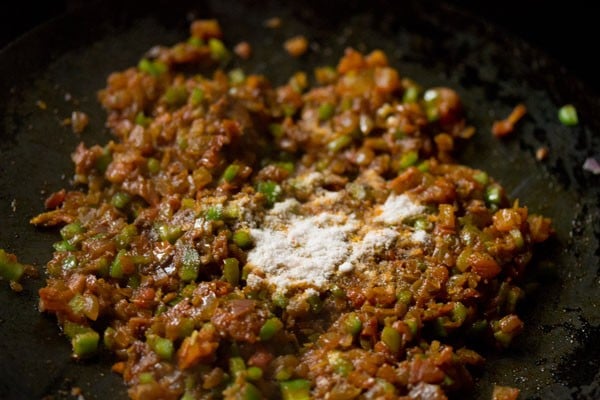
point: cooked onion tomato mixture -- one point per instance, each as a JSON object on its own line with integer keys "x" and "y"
{"x": 239, "y": 240}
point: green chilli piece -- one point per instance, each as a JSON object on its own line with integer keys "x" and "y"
{"x": 154, "y": 68}
{"x": 391, "y": 338}
{"x": 251, "y": 392}
{"x": 116, "y": 268}
{"x": 271, "y": 190}
{"x": 270, "y": 328}
{"x": 176, "y": 96}
{"x": 408, "y": 159}
{"x": 69, "y": 231}
{"x": 352, "y": 324}
{"x": 161, "y": 346}
{"x": 567, "y": 115}
{"x": 411, "y": 94}
{"x": 242, "y": 238}
{"x": 103, "y": 160}
{"x": 231, "y": 172}
{"x": 169, "y": 233}
{"x": 85, "y": 343}
{"x": 481, "y": 177}
{"x": 197, "y": 96}
{"x": 339, "y": 143}
{"x": 196, "y": 41}
{"x": 231, "y": 270}
{"x": 190, "y": 264}
{"x": 146, "y": 377}
{"x": 236, "y": 365}
{"x": 142, "y": 120}
{"x": 493, "y": 194}
{"x": 218, "y": 51}
{"x": 125, "y": 237}
{"x": 109, "y": 337}
{"x": 9, "y": 268}
{"x": 120, "y": 200}
{"x": 404, "y": 297}
{"x": 276, "y": 130}
{"x": 297, "y": 389}
{"x": 214, "y": 213}
{"x": 254, "y": 373}
{"x": 77, "y": 304}
{"x": 339, "y": 364}
{"x": 236, "y": 76}
{"x": 325, "y": 111}
{"x": 431, "y": 99}
{"x": 64, "y": 245}
{"x": 459, "y": 312}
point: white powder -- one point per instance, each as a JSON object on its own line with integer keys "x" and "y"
{"x": 419, "y": 236}
{"x": 397, "y": 208}
{"x": 292, "y": 249}
{"x": 301, "y": 249}
{"x": 374, "y": 241}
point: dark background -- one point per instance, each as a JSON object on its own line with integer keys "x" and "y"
{"x": 564, "y": 30}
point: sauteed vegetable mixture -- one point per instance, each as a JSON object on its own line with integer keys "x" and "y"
{"x": 313, "y": 240}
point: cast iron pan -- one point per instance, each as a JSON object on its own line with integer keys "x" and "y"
{"x": 557, "y": 357}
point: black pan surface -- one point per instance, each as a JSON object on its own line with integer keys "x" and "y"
{"x": 66, "y": 61}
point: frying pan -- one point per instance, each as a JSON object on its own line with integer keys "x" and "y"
{"x": 64, "y": 62}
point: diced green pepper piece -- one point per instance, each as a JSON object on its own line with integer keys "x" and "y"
{"x": 271, "y": 190}
{"x": 214, "y": 213}
{"x": 169, "y": 233}
{"x": 85, "y": 344}
{"x": 64, "y": 245}
{"x": 218, "y": 51}
{"x": 231, "y": 270}
{"x": 567, "y": 115}
{"x": 175, "y": 96}
{"x": 254, "y": 373}
{"x": 142, "y": 120}
{"x": 104, "y": 160}
{"x": 404, "y": 297}
{"x": 161, "y": 346}
{"x": 236, "y": 76}
{"x": 298, "y": 389}
{"x": 154, "y": 68}
{"x": 352, "y": 324}
{"x": 326, "y": 111}
{"x": 77, "y": 304}
{"x": 109, "y": 337}
{"x": 146, "y": 377}
{"x": 251, "y": 392}
{"x": 270, "y": 328}
{"x": 242, "y": 238}
{"x": 120, "y": 200}
{"x": 391, "y": 338}
{"x": 408, "y": 159}
{"x": 69, "y": 231}
{"x": 236, "y": 365}
{"x": 231, "y": 172}
{"x": 481, "y": 177}
{"x": 339, "y": 143}
{"x": 339, "y": 363}
{"x": 116, "y": 268}
{"x": 276, "y": 130}
{"x": 493, "y": 194}
{"x": 124, "y": 238}
{"x": 459, "y": 312}
{"x": 197, "y": 96}
{"x": 190, "y": 265}
{"x": 411, "y": 94}
{"x": 72, "y": 329}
